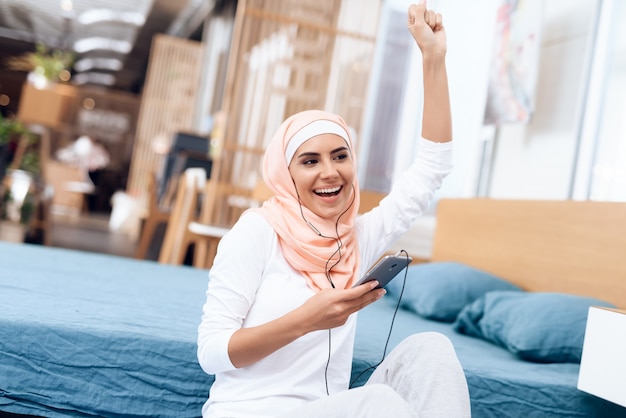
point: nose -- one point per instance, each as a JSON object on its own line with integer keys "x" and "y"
{"x": 329, "y": 170}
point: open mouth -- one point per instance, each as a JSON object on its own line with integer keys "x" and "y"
{"x": 328, "y": 192}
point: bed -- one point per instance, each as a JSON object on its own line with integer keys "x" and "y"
{"x": 517, "y": 278}
{"x": 85, "y": 334}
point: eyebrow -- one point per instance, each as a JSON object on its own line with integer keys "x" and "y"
{"x": 314, "y": 154}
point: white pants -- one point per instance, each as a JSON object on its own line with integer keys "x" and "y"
{"x": 421, "y": 377}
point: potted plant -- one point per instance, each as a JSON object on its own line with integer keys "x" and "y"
{"x": 18, "y": 147}
{"x": 19, "y": 169}
{"x": 44, "y": 65}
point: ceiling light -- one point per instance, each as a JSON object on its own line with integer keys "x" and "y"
{"x": 4, "y": 100}
{"x": 89, "y": 103}
{"x": 89, "y": 44}
{"x": 87, "y": 64}
{"x": 65, "y": 75}
{"x": 106, "y": 15}
{"x": 67, "y": 5}
{"x": 94, "y": 78}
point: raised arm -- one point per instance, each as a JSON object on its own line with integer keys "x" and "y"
{"x": 427, "y": 29}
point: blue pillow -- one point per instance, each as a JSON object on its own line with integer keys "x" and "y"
{"x": 439, "y": 290}
{"x": 541, "y": 327}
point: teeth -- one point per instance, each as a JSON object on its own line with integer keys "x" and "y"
{"x": 333, "y": 190}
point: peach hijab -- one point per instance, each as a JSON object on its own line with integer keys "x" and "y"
{"x": 305, "y": 250}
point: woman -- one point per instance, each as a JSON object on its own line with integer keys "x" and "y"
{"x": 278, "y": 324}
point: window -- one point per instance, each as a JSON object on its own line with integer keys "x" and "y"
{"x": 601, "y": 168}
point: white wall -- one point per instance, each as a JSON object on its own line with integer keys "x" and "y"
{"x": 530, "y": 161}
{"x": 536, "y": 161}
{"x": 470, "y": 27}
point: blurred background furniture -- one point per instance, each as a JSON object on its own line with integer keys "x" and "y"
{"x": 603, "y": 366}
{"x": 66, "y": 200}
{"x": 156, "y": 215}
{"x": 369, "y": 199}
{"x": 205, "y": 236}
{"x": 191, "y": 185}
{"x": 187, "y": 151}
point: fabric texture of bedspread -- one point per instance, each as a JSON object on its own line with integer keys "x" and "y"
{"x": 84, "y": 335}
{"x": 87, "y": 334}
{"x": 501, "y": 385}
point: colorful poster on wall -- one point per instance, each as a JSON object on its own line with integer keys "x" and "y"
{"x": 512, "y": 82}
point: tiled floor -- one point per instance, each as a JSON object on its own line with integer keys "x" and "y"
{"x": 90, "y": 232}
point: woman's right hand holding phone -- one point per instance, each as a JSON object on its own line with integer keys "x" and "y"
{"x": 326, "y": 309}
{"x": 330, "y": 308}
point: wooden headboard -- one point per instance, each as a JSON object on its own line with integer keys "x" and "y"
{"x": 576, "y": 247}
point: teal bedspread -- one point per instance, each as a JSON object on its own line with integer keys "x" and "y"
{"x": 84, "y": 335}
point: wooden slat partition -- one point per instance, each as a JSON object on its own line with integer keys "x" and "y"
{"x": 576, "y": 247}
{"x": 167, "y": 105}
{"x": 283, "y": 56}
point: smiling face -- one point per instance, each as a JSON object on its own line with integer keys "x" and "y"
{"x": 323, "y": 172}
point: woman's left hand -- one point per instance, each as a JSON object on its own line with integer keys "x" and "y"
{"x": 427, "y": 29}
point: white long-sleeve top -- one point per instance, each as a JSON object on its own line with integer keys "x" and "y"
{"x": 251, "y": 283}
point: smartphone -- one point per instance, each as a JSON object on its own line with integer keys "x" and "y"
{"x": 386, "y": 269}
